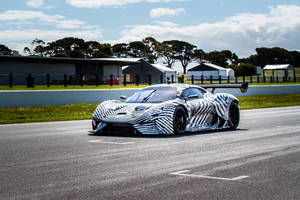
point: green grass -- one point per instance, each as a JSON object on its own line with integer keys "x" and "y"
{"x": 46, "y": 113}
{"x": 287, "y": 83}
{"x": 269, "y": 101}
{"x": 84, "y": 111}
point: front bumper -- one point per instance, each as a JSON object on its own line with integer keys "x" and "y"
{"x": 114, "y": 127}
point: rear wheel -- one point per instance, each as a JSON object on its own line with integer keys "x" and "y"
{"x": 179, "y": 120}
{"x": 234, "y": 115}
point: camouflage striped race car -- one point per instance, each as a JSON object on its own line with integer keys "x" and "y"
{"x": 169, "y": 109}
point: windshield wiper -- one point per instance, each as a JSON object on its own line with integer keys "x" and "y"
{"x": 146, "y": 98}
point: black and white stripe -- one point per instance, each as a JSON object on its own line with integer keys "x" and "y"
{"x": 158, "y": 118}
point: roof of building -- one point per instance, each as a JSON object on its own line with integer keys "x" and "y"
{"x": 278, "y": 67}
{"x": 119, "y": 61}
{"x": 163, "y": 68}
{"x": 144, "y": 67}
{"x": 207, "y": 67}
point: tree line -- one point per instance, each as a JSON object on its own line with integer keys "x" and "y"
{"x": 166, "y": 52}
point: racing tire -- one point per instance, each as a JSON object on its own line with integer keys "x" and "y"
{"x": 95, "y": 124}
{"x": 179, "y": 120}
{"x": 234, "y": 115}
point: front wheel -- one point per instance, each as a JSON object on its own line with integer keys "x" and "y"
{"x": 179, "y": 120}
{"x": 95, "y": 124}
{"x": 234, "y": 115}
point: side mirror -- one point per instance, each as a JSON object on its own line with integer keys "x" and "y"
{"x": 123, "y": 97}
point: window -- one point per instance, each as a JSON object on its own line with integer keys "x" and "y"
{"x": 153, "y": 96}
{"x": 192, "y": 92}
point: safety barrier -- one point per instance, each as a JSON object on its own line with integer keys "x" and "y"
{"x": 62, "y": 97}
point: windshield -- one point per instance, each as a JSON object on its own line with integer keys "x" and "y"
{"x": 153, "y": 96}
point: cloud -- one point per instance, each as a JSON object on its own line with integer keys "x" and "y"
{"x": 167, "y": 24}
{"x": 100, "y": 3}
{"x": 35, "y": 3}
{"x": 165, "y": 1}
{"x": 241, "y": 33}
{"x": 165, "y": 12}
{"x": 116, "y": 3}
{"x": 25, "y": 17}
{"x": 18, "y": 39}
{"x": 49, "y": 35}
{"x": 22, "y": 26}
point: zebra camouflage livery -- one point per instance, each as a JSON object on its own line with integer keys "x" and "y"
{"x": 168, "y": 109}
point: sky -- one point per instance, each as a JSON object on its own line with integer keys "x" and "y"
{"x": 236, "y": 25}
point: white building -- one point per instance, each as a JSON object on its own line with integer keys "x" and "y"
{"x": 282, "y": 70}
{"x": 144, "y": 70}
{"x": 208, "y": 70}
{"x": 168, "y": 73}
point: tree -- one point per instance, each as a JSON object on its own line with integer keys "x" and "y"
{"x": 244, "y": 69}
{"x": 182, "y": 51}
{"x": 138, "y": 49}
{"x": 120, "y": 50}
{"x": 232, "y": 58}
{"x": 38, "y": 48}
{"x": 296, "y": 58}
{"x": 217, "y": 58}
{"x": 27, "y": 50}
{"x": 200, "y": 55}
{"x": 97, "y": 50}
{"x": 273, "y": 55}
{"x": 104, "y": 51}
{"x": 68, "y": 47}
{"x": 159, "y": 51}
{"x": 165, "y": 53}
{"x": 4, "y": 50}
{"x": 152, "y": 45}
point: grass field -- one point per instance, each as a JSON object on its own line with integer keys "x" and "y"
{"x": 84, "y": 111}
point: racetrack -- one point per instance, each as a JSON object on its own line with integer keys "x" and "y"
{"x": 60, "y": 160}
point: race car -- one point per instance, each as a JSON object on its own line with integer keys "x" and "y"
{"x": 169, "y": 109}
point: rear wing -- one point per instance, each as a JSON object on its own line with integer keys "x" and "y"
{"x": 242, "y": 86}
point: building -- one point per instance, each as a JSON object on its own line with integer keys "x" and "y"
{"x": 146, "y": 71}
{"x": 208, "y": 70}
{"x": 75, "y": 70}
{"x": 169, "y": 75}
{"x": 284, "y": 71}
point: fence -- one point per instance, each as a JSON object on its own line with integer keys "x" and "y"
{"x": 47, "y": 79}
{"x": 251, "y": 79}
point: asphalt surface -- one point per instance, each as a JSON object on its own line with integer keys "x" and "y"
{"x": 60, "y": 160}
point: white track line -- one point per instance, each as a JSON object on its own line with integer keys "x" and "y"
{"x": 108, "y": 142}
{"x": 184, "y": 173}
